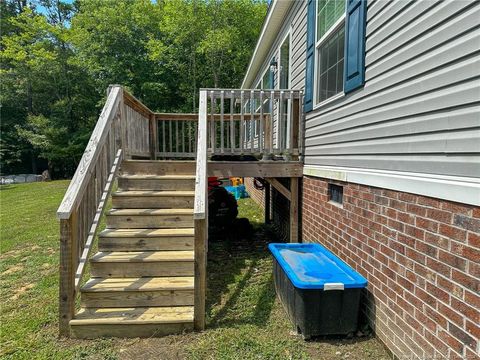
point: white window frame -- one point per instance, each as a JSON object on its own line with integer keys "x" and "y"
{"x": 340, "y": 22}
{"x": 277, "y": 85}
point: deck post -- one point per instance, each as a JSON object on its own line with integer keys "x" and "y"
{"x": 153, "y": 136}
{"x": 200, "y": 230}
{"x": 267, "y": 203}
{"x": 200, "y": 216}
{"x": 68, "y": 261}
{"x": 294, "y": 209}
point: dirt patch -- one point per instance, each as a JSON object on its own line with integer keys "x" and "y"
{"x": 8, "y": 254}
{"x": 22, "y": 290}
{"x": 13, "y": 269}
{"x": 166, "y": 348}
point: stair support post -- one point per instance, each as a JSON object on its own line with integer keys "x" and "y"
{"x": 200, "y": 216}
{"x": 68, "y": 263}
{"x": 200, "y": 265}
{"x": 152, "y": 125}
{"x": 294, "y": 193}
{"x": 267, "y": 203}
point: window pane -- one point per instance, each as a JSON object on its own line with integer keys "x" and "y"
{"x": 328, "y": 12}
{"x": 284, "y": 63}
{"x": 332, "y": 51}
{"x": 330, "y": 65}
{"x": 266, "y": 80}
{"x": 322, "y": 92}
{"x": 340, "y": 76}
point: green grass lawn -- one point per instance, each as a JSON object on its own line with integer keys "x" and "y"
{"x": 245, "y": 320}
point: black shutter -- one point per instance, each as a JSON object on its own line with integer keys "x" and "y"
{"x": 310, "y": 60}
{"x": 355, "y": 25}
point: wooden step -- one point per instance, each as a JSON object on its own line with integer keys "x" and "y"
{"x": 157, "y": 167}
{"x": 146, "y": 239}
{"x": 149, "y": 218}
{"x": 92, "y": 323}
{"x": 156, "y": 182}
{"x": 142, "y": 263}
{"x": 147, "y": 199}
{"x": 135, "y": 292}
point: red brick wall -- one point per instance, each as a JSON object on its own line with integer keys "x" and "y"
{"x": 421, "y": 257}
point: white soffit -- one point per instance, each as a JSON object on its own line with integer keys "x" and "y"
{"x": 276, "y": 14}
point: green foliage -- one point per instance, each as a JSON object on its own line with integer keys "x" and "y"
{"x": 57, "y": 63}
{"x": 47, "y": 104}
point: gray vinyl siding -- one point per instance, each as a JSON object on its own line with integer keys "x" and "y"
{"x": 420, "y": 108}
{"x": 299, "y": 45}
{"x": 296, "y": 24}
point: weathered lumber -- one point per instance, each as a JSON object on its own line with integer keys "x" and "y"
{"x": 255, "y": 168}
{"x": 280, "y": 188}
{"x": 201, "y": 216}
{"x": 294, "y": 193}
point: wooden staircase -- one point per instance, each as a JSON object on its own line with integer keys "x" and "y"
{"x": 142, "y": 277}
{"x": 149, "y": 275}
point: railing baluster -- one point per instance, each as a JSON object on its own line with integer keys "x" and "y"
{"x": 292, "y": 119}
{"x": 301, "y": 123}
{"x": 252, "y": 123}
{"x": 164, "y": 140}
{"x": 183, "y": 136}
{"x": 272, "y": 120}
{"x": 261, "y": 130}
{"x": 242, "y": 120}
{"x": 232, "y": 125}
{"x": 222, "y": 100}
{"x": 213, "y": 135}
{"x": 280, "y": 123}
{"x": 176, "y": 137}
{"x": 170, "y": 131}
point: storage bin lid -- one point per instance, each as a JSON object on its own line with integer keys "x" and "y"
{"x": 312, "y": 266}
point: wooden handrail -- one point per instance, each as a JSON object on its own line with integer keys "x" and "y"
{"x": 136, "y": 104}
{"x": 194, "y": 117}
{"x": 228, "y": 93}
{"x": 85, "y": 167}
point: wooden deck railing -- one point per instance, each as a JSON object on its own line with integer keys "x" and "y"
{"x": 125, "y": 128}
{"x": 255, "y": 122}
{"x": 84, "y": 201}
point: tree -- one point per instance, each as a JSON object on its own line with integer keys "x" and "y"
{"x": 57, "y": 59}
{"x": 43, "y": 93}
{"x": 207, "y": 43}
{"x": 111, "y": 40}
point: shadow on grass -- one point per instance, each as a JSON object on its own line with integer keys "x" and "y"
{"x": 240, "y": 280}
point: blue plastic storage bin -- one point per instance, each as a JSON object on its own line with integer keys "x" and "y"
{"x": 238, "y": 191}
{"x": 319, "y": 291}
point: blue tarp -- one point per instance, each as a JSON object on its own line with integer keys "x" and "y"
{"x": 312, "y": 266}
